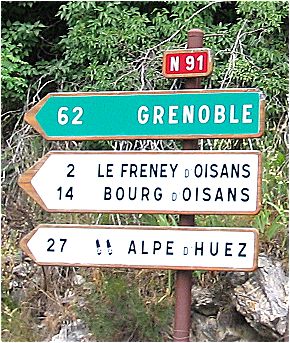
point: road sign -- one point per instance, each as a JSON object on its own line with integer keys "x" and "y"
{"x": 147, "y": 182}
{"x": 143, "y": 247}
{"x": 184, "y": 114}
{"x": 187, "y": 63}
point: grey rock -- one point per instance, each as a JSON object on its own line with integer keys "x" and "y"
{"x": 204, "y": 301}
{"x": 243, "y": 307}
{"x": 263, "y": 299}
{"x": 73, "y": 332}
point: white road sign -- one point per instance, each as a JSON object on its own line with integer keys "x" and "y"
{"x": 196, "y": 248}
{"x": 149, "y": 182}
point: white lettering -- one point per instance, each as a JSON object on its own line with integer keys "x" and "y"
{"x": 188, "y": 114}
{"x": 205, "y": 119}
{"x": 200, "y": 62}
{"x": 174, "y": 63}
{"x": 143, "y": 117}
{"x": 233, "y": 120}
{"x": 158, "y": 112}
{"x": 190, "y": 63}
{"x": 246, "y": 113}
{"x": 172, "y": 114}
{"x": 219, "y": 114}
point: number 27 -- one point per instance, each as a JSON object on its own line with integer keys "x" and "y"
{"x": 52, "y": 242}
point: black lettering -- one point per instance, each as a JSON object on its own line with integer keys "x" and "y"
{"x": 145, "y": 193}
{"x": 163, "y": 170}
{"x": 174, "y": 196}
{"x": 242, "y": 249}
{"x": 157, "y": 194}
{"x": 188, "y": 196}
{"x": 108, "y": 193}
{"x": 99, "y": 171}
{"x": 232, "y": 194}
{"x": 213, "y": 170}
{"x": 63, "y": 240}
{"x": 197, "y": 172}
{"x": 244, "y": 167}
{"x": 69, "y": 193}
{"x": 169, "y": 248}
{"x": 131, "y": 195}
{"x": 246, "y": 195}
{"x": 156, "y": 246}
{"x": 224, "y": 171}
{"x": 205, "y": 192}
{"x": 132, "y": 248}
{"x": 133, "y": 169}
{"x": 143, "y": 247}
{"x": 153, "y": 171}
{"x": 69, "y": 174}
{"x": 228, "y": 249}
{"x": 123, "y": 170}
{"x": 185, "y": 251}
{"x": 109, "y": 170}
{"x": 235, "y": 170}
{"x": 120, "y": 193}
{"x": 216, "y": 249}
{"x": 173, "y": 169}
{"x": 219, "y": 195}
{"x": 52, "y": 244}
{"x": 143, "y": 170}
{"x": 198, "y": 248}
{"x": 205, "y": 170}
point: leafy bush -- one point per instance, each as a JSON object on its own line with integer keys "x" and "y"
{"x": 18, "y": 41}
{"x": 116, "y": 312}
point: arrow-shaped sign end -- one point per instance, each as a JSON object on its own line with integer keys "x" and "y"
{"x": 24, "y": 182}
{"x": 24, "y": 244}
{"x": 30, "y": 117}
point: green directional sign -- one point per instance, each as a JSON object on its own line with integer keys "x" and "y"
{"x": 183, "y": 114}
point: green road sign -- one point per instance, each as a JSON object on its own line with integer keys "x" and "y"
{"x": 181, "y": 114}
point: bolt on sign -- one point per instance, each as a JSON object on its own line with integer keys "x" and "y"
{"x": 187, "y": 63}
{"x": 157, "y": 247}
{"x": 150, "y": 182}
{"x": 182, "y": 114}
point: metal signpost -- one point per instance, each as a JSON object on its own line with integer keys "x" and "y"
{"x": 187, "y": 63}
{"x": 149, "y": 182}
{"x": 184, "y": 114}
{"x": 157, "y": 247}
{"x": 183, "y": 182}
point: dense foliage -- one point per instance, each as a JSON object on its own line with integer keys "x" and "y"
{"x": 118, "y": 45}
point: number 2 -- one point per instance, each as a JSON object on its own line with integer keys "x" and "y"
{"x": 76, "y": 120}
{"x": 69, "y": 174}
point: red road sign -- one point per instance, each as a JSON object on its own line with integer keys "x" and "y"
{"x": 187, "y": 63}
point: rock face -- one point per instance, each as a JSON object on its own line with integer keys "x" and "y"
{"x": 247, "y": 307}
{"x": 72, "y": 332}
{"x": 263, "y": 299}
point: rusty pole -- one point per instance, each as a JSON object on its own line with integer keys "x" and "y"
{"x": 183, "y": 281}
